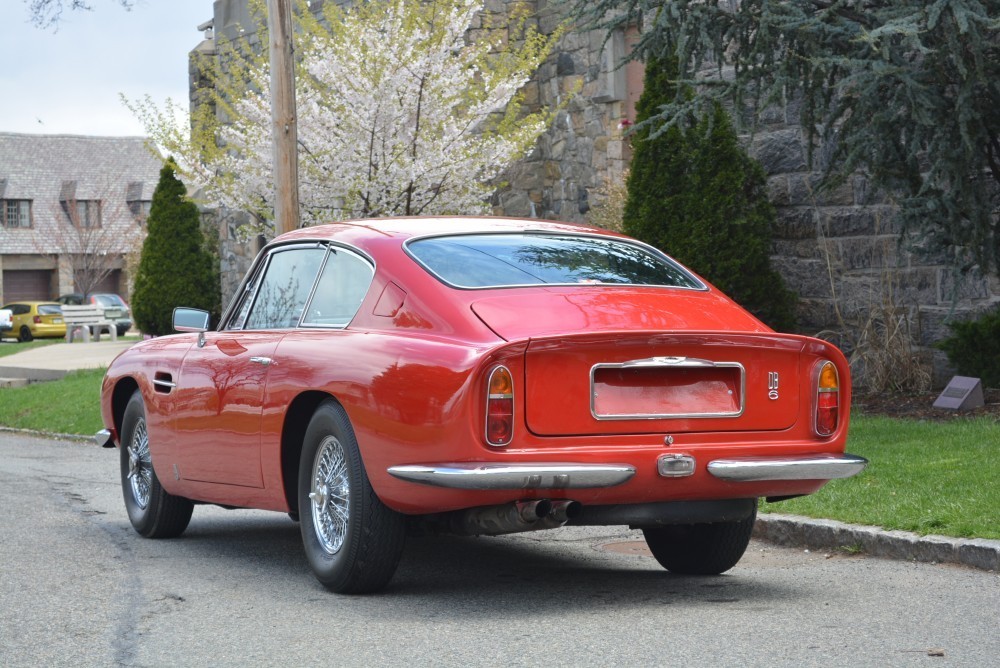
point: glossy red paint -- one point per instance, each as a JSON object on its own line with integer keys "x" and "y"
{"x": 412, "y": 368}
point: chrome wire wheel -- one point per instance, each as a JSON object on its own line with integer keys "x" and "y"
{"x": 140, "y": 466}
{"x": 330, "y": 495}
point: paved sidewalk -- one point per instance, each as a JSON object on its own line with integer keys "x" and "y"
{"x": 55, "y": 361}
{"x": 52, "y": 362}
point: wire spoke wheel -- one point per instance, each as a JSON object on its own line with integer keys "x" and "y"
{"x": 152, "y": 510}
{"x": 352, "y": 541}
{"x": 330, "y": 495}
{"x": 140, "y": 466}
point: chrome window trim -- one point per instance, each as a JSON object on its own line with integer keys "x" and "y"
{"x": 260, "y": 266}
{"x": 701, "y": 287}
{"x": 668, "y": 362}
{"x": 332, "y": 247}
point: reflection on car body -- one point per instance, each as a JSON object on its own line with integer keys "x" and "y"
{"x": 477, "y": 376}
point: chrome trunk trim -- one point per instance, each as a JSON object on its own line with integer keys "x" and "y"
{"x": 542, "y": 475}
{"x": 816, "y": 467}
{"x": 669, "y": 362}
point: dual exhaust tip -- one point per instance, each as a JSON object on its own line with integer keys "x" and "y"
{"x": 515, "y": 517}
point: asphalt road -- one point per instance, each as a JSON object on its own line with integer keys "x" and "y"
{"x": 79, "y": 588}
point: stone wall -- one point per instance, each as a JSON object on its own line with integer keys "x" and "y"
{"x": 841, "y": 250}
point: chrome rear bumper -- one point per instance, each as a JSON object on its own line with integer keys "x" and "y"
{"x": 818, "y": 467}
{"x": 548, "y": 475}
{"x": 480, "y": 476}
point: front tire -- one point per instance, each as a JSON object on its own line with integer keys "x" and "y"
{"x": 153, "y": 512}
{"x": 25, "y": 336}
{"x": 352, "y": 540}
{"x": 700, "y": 549}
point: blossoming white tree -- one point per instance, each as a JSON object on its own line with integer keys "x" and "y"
{"x": 398, "y": 113}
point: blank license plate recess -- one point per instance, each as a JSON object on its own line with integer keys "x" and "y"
{"x": 650, "y": 392}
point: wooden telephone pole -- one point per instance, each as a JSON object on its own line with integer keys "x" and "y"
{"x": 284, "y": 124}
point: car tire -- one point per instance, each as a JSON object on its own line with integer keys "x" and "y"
{"x": 700, "y": 549}
{"x": 153, "y": 512}
{"x": 121, "y": 330}
{"x": 24, "y": 336}
{"x": 353, "y": 542}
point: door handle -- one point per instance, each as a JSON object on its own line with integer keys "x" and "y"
{"x": 265, "y": 361}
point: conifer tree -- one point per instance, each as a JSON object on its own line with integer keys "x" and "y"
{"x": 175, "y": 269}
{"x": 694, "y": 193}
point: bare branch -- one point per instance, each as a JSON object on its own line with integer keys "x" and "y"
{"x": 48, "y": 13}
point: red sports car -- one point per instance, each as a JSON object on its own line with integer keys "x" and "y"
{"x": 478, "y": 376}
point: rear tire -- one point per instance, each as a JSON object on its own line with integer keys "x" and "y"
{"x": 352, "y": 540}
{"x": 24, "y": 335}
{"x": 700, "y": 549}
{"x": 153, "y": 512}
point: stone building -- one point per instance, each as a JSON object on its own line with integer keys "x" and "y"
{"x": 71, "y": 208}
{"x": 838, "y": 250}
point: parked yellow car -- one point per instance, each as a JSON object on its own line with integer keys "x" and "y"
{"x": 35, "y": 320}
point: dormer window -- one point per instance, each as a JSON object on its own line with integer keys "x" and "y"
{"x": 15, "y": 212}
{"x": 88, "y": 213}
{"x": 138, "y": 206}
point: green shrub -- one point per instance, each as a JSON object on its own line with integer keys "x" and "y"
{"x": 694, "y": 193}
{"x": 974, "y": 348}
{"x": 175, "y": 269}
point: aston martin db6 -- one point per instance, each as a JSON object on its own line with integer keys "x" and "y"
{"x": 476, "y": 376}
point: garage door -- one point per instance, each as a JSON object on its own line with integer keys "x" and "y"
{"x": 25, "y": 285}
{"x": 110, "y": 283}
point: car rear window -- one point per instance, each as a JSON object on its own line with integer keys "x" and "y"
{"x": 109, "y": 300}
{"x": 49, "y": 309}
{"x": 499, "y": 260}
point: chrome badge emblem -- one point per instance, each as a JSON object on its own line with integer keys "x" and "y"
{"x": 772, "y": 385}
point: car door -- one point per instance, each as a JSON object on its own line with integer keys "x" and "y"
{"x": 222, "y": 384}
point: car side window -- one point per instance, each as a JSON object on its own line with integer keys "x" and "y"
{"x": 285, "y": 287}
{"x": 341, "y": 288}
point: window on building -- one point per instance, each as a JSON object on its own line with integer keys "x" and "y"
{"x": 140, "y": 209}
{"x": 15, "y": 212}
{"x": 88, "y": 213}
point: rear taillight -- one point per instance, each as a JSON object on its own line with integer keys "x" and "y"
{"x": 500, "y": 407}
{"x": 827, "y": 399}
{"x": 37, "y": 320}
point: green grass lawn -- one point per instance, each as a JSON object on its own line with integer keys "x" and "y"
{"x": 927, "y": 477}
{"x": 67, "y": 406}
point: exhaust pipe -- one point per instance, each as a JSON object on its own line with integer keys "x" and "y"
{"x": 495, "y": 520}
{"x": 562, "y": 511}
{"x": 514, "y": 517}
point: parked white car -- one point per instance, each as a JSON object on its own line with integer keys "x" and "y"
{"x": 6, "y": 320}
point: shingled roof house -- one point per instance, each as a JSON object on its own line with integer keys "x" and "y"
{"x": 71, "y": 208}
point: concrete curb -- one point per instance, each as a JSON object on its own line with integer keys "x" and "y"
{"x": 798, "y": 531}
{"x": 49, "y": 434}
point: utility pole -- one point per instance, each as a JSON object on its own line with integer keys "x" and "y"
{"x": 284, "y": 124}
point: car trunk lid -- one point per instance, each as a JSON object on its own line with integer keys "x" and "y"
{"x": 631, "y": 383}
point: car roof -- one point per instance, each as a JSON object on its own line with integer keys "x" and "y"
{"x": 407, "y": 227}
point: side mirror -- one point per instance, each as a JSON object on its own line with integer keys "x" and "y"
{"x": 190, "y": 320}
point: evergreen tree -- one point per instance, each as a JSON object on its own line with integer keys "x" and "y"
{"x": 175, "y": 269}
{"x": 694, "y": 193}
